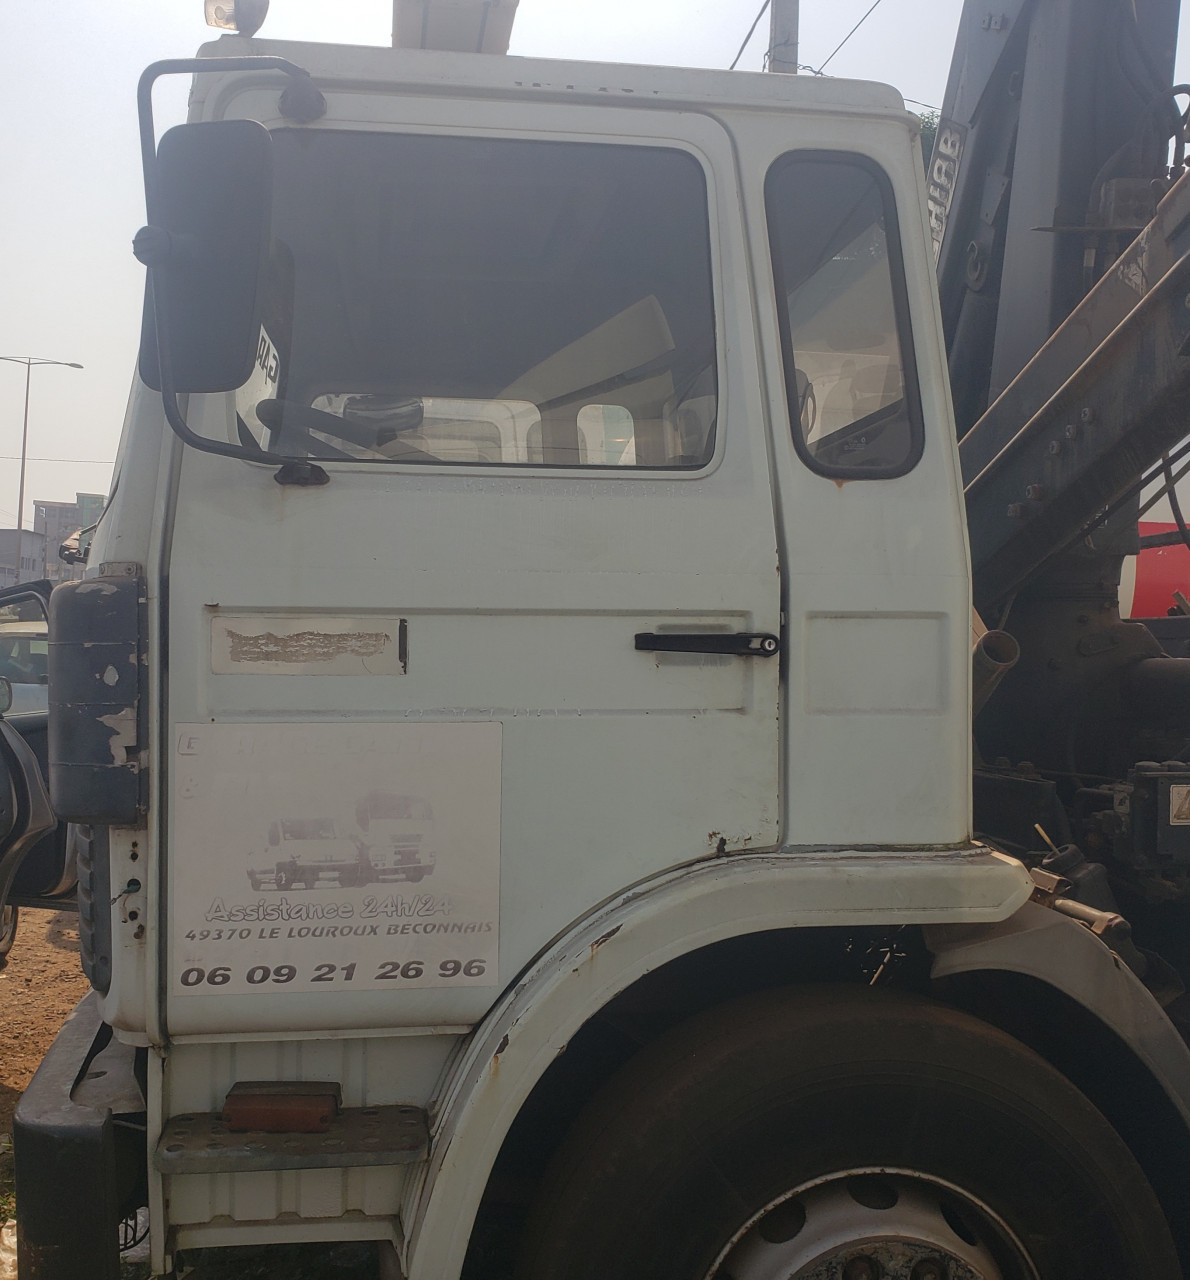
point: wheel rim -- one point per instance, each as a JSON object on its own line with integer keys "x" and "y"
{"x": 875, "y": 1224}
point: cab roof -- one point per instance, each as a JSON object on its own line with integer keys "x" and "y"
{"x": 625, "y": 84}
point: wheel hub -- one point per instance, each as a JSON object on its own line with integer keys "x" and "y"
{"x": 874, "y": 1225}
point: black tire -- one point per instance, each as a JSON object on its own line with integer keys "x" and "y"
{"x": 730, "y": 1113}
{"x": 285, "y": 876}
{"x": 9, "y": 918}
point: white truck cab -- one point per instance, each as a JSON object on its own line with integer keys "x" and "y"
{"x": 583, "y": 521}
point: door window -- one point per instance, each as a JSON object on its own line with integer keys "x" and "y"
{"x": 24, "y": 652}
{"x": 487, "y": 302}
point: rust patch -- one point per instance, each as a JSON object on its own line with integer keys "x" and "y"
{"x": 611, "y": 933}
{"x": 306, "y": 646}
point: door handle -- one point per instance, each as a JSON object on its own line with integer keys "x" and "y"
{"x": 741, "y": 644}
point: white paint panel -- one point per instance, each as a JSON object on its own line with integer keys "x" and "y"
{"x": 876, "y": 663}
{"x": 452, "y": 655}
{"x": 316, "y": 857}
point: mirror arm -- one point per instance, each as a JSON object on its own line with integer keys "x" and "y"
{"x": 301, "y": 101}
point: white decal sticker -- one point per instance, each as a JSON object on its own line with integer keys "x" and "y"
{"x": 312, "y": 857}
{"x": 943, "y": 179}
{"x": 261, "y": 385}
{"x": 1179, "y": 805}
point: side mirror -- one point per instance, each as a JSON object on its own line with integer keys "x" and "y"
{"x": 5, "y": 695}
{"x": 210, "y": 207}
{"x": 274, "y": 834}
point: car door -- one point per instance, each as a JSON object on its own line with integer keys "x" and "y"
{"x": 46, "y": 875}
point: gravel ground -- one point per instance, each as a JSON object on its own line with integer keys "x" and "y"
{"x": 39, "y": 986}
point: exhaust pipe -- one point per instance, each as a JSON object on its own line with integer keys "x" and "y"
{"x": 994, "y": 655}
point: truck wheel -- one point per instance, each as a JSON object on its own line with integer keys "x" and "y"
{"x": 285, "y": 877}
{"x": 840, "y": 1133}
{"x": 8, "y": 931}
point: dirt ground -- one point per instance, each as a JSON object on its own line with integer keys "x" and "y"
{"x": 39, "y": 986}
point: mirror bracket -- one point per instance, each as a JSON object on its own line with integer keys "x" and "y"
{"x": 153, "y": 245}
{"x": 300, "y": 473}
{"x": 302, "y": 101}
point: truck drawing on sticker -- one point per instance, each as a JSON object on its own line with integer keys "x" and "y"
{"x": 390, "y": 839}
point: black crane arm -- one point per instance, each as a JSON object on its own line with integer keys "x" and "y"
{"x": 1054, "y": 123}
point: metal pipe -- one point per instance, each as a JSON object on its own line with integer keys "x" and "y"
{"x": 28, "y": 362}
{"x": 995, "y": 654}
{"x": 21, "y": 485}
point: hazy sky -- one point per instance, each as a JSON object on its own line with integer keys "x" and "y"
{"x": 71, "y": 289}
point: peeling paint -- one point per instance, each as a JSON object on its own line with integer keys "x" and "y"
{"x": 306, "y": 646}
{"x": 309, "y": 644}
{"x": 123, "y": 727}
{"x": 603, "y": 937}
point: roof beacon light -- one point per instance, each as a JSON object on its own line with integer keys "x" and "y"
{"x": 243, "y": 16}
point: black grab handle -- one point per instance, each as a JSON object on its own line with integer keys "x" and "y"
{"x": 741, "y": 644}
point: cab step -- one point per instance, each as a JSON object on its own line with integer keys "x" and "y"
{"x": 203, "y": 1143}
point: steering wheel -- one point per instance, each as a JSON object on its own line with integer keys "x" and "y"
{"x": 279, "y": 414}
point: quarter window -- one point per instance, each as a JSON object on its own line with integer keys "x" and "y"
{"x": 849, "y": 374}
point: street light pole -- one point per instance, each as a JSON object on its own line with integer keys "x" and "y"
{"x": 783, "y": 23}
{"x": 28, "y": 362}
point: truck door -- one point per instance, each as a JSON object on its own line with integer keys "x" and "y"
{"x": 878, "y": 603}
{"x": 537, "y": 599}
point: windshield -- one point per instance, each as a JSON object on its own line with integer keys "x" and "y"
{"x": 461, "y": 300}
{"x": 378, "y": 805}
{"x": 308, "y": 829}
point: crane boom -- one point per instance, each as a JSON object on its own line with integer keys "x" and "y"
{"x": 464, "y": 26}
{"x": 1053, "y": 125}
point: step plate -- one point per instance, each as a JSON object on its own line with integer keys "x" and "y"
{"x": 202, "y": 1143}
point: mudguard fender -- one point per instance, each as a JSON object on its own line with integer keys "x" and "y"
{"x": 638, "y": 931}
{"x": 1061, "y": 953}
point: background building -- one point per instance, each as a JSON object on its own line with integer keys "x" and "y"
{"x": 32, "y": 556}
